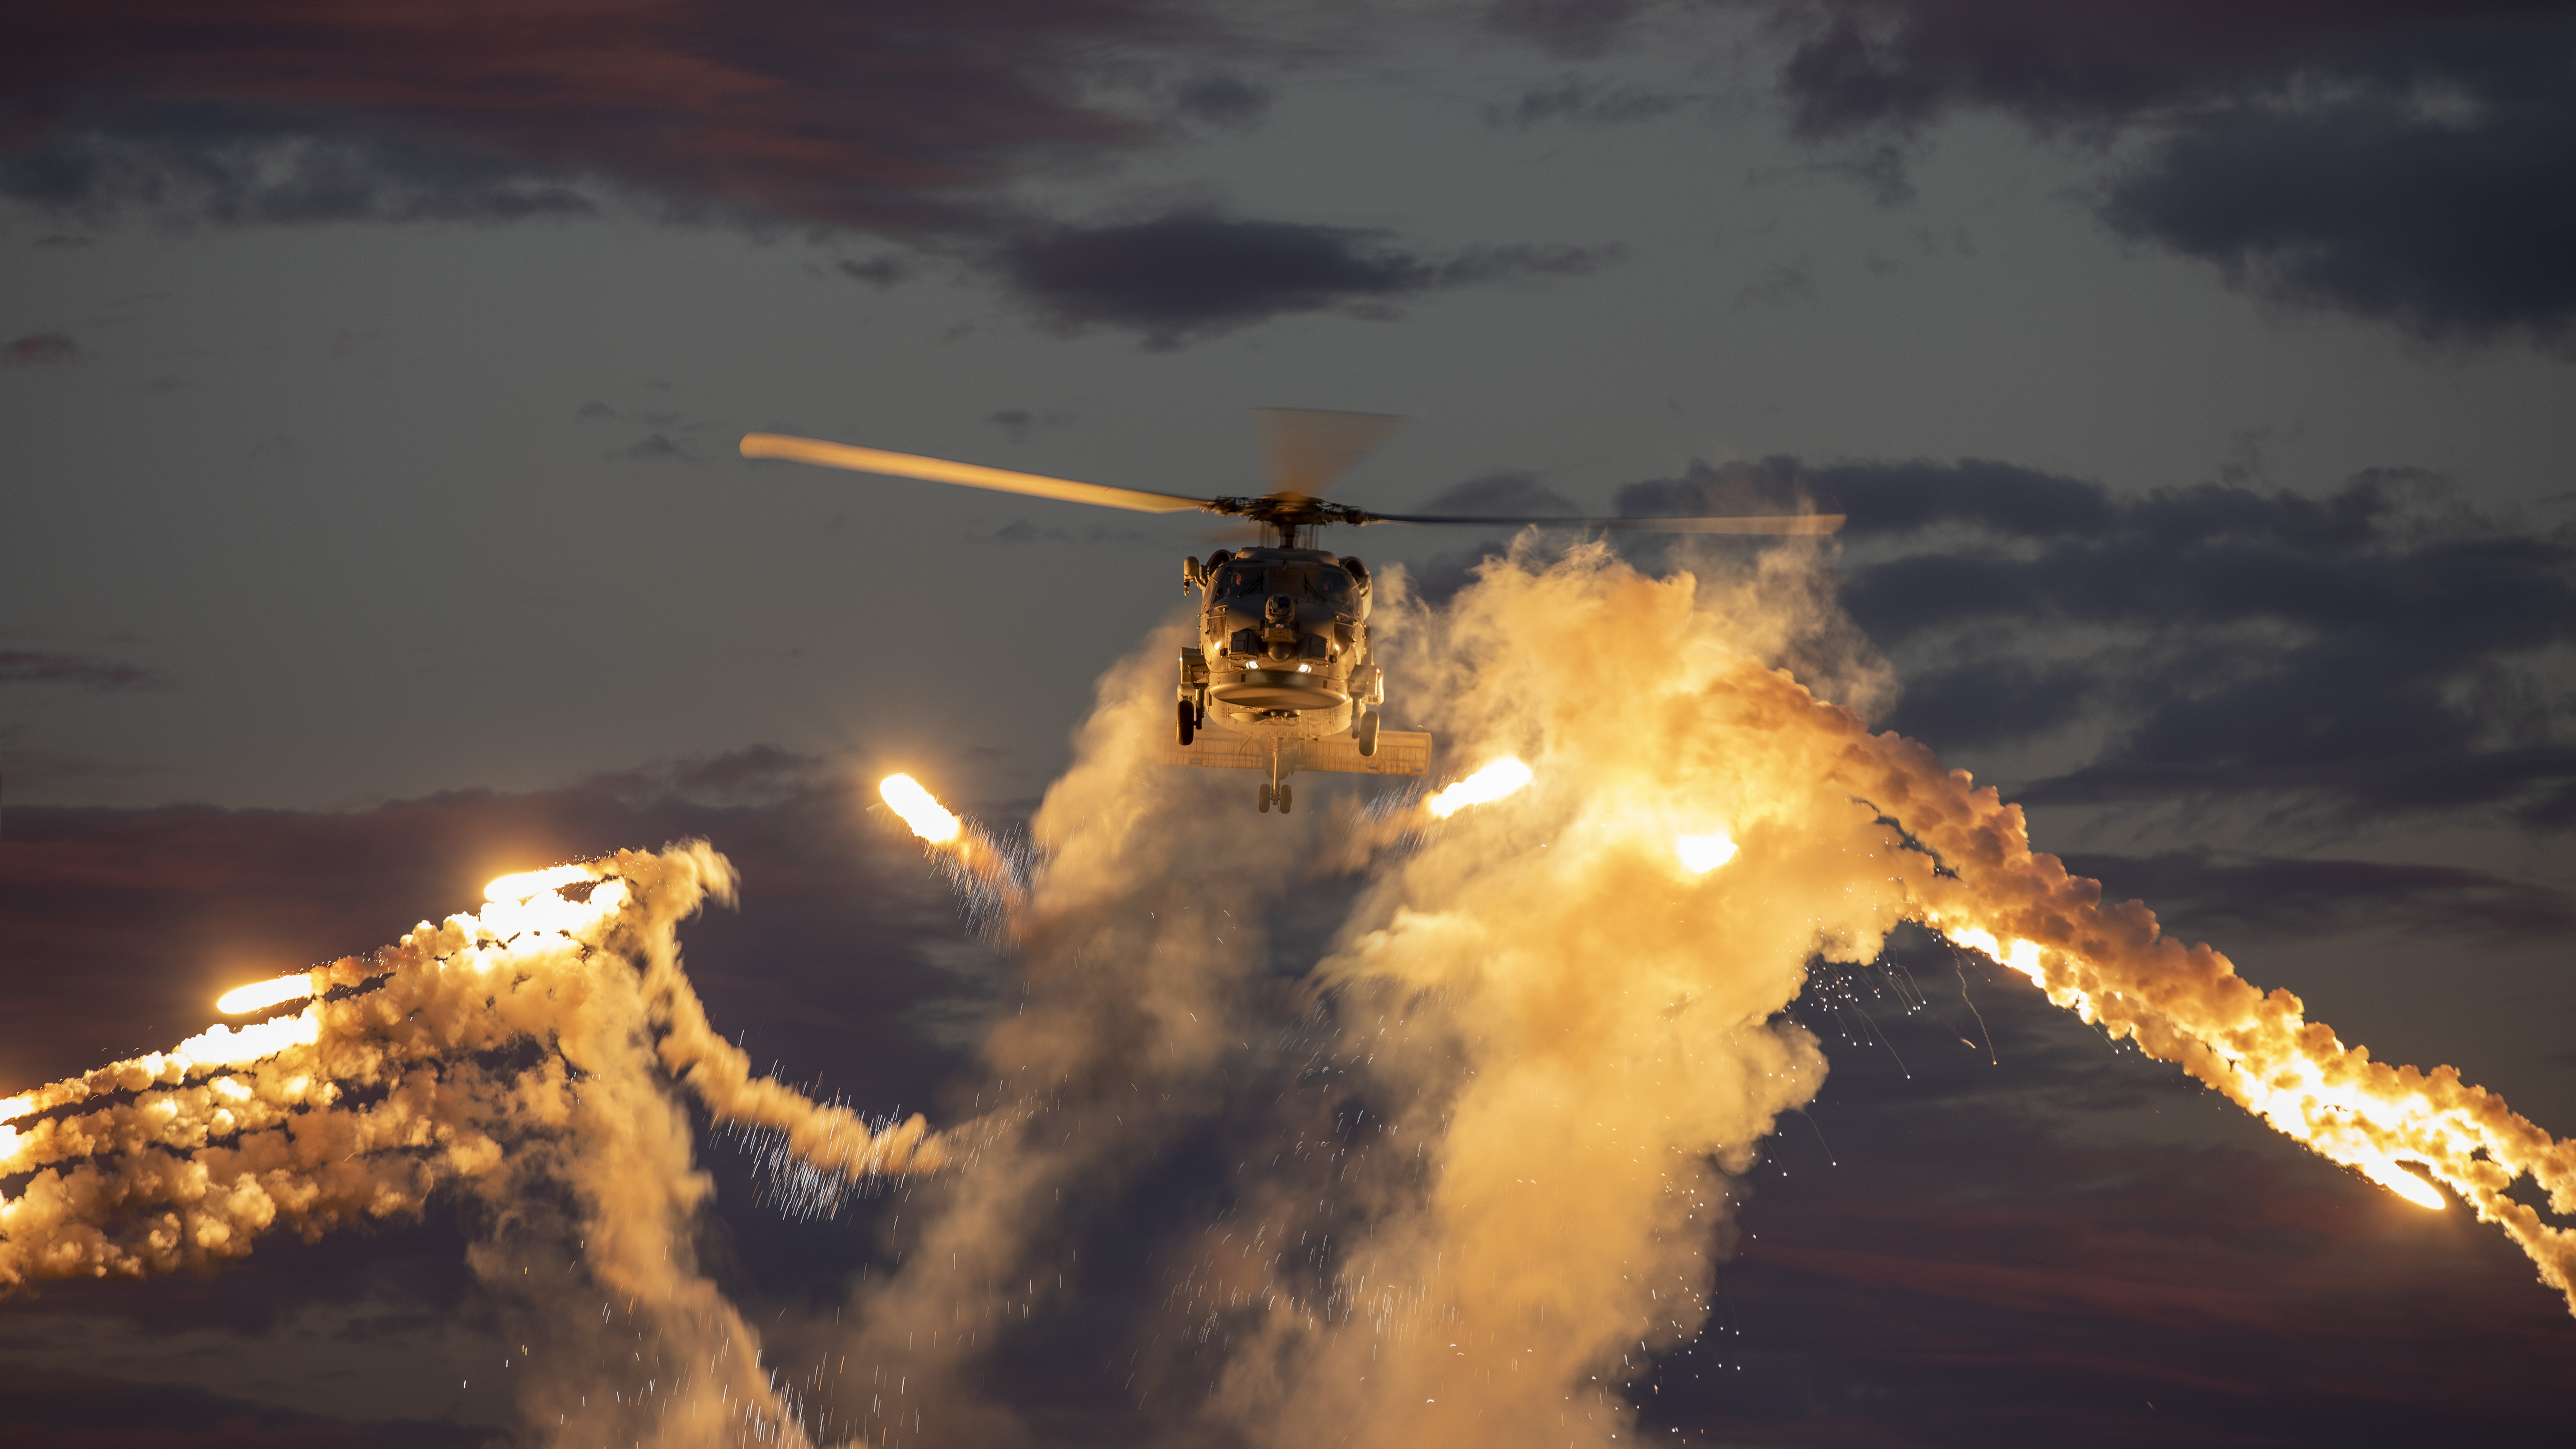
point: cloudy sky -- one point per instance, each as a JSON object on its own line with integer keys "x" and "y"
{"x": 2195, "y": 378}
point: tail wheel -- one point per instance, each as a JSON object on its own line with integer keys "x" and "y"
{"x": 1265, "y": 799}
{"x": 1189, "y": 723}
{"x": 1366, "y": 733}
{"x": 1283, "y": 799}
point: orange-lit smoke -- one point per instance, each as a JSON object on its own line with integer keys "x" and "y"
{"x": 533, "y": 1043}
{"x": 1572, "y": 1000}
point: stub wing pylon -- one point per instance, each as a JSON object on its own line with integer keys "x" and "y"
{"x": 1399, "y": 752}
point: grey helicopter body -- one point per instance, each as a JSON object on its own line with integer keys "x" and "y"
{"x": 1284, "y": 670}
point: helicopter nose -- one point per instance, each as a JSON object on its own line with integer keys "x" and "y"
{"x": 1280, "y": 609}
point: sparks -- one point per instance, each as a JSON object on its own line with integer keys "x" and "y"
{"x": 1487, "y": 785}
{"x": 928, "y": 818}
{"x": 260, "y": 995}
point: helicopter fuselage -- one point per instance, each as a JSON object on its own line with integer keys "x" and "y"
{"x": 1283, "y": 647}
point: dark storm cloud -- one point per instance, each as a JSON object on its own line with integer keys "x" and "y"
{"x": 1192, "y": 274}
{"x": 2386, "y": 648}
{"x": 871, "y": 113}
{"x": 39, "y": 349}
{"x": 2446, "y": 229}
{"x": 88, "y": 672}
{"x": 2407, "y": 160}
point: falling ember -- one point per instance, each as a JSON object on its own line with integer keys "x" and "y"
{"x": 1484, "y": 787}
{"x": 928, "y": 818}
{"x": 260, "y": 995}
{"x": 1704, "y": 853}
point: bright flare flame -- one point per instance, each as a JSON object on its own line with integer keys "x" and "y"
{"x": 1704, "y": 853}
{"x": 261, "y": 994}
{"x": 528, "y": 883}
{"x": 1487, "y": 785}
{"x": 928, "y": 818}
{"x": 2403, "y": 1183}
{"x": 13, "y": 1108}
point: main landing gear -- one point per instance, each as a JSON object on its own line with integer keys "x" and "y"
{"x": 1275, "y": 794}
{"x": 1189, "y": 723}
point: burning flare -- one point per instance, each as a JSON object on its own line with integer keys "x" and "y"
{"x": 260, "y": 995}
{"x": 361, "y": 1106}
{"x": 1701, "y": 854}
{"x": 1492, "y": 783}
{"x": 920, "y": 809}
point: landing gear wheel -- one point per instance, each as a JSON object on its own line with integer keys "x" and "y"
{"x": 1283, "y": 799}
{"x": 1366, "y": 733}
{"x": 1189, "y": 722}
{"x": 1265, "y": 799}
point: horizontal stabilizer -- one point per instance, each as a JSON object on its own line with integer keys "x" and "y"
{"x": 1399, "y": 752}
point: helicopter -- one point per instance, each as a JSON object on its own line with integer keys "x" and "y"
{"x": 1283, "y": 669}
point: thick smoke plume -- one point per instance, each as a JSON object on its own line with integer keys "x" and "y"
{"x": 1414, "y": 1122}
{"x": 1483, "y": 1165}
{"x": 511, "y": 1055}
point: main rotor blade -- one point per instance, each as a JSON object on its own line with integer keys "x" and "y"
{"x": 1307, "y": 450}
{"x": 1797, "y": 523}
{"x": 968, "y": 475}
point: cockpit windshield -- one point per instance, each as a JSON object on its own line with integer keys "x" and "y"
{"x": 1250, "y": 580}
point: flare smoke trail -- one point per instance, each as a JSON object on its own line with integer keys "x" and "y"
{"x": 1457, "y": 1179}
{"x": 1549, "y": 1032}
{"x": 533, "y": 1043}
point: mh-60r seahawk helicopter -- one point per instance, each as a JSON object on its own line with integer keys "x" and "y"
{"x": 1283, "y": 667}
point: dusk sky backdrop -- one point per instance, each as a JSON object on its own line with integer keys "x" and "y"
{"x": 2199, "y": 380}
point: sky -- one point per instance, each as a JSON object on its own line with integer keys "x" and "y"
{"x": 2194, "y": 382}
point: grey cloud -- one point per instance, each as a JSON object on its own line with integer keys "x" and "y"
{"x": 1222, "y": 99}
{"x": 233, "y": 165}
{"x": 1192, "y": 274}
{"x": 879, "y": 272}
{"x": 1572, "y": 28}
{"x": 39, "y": 349}
{"x": 2380, "y": 650}
{"x": 2276, "y": 896}
{"x": 87, "y": 672}
{"x": 1577, "y": 100}
{"x": 654, "y": 447}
